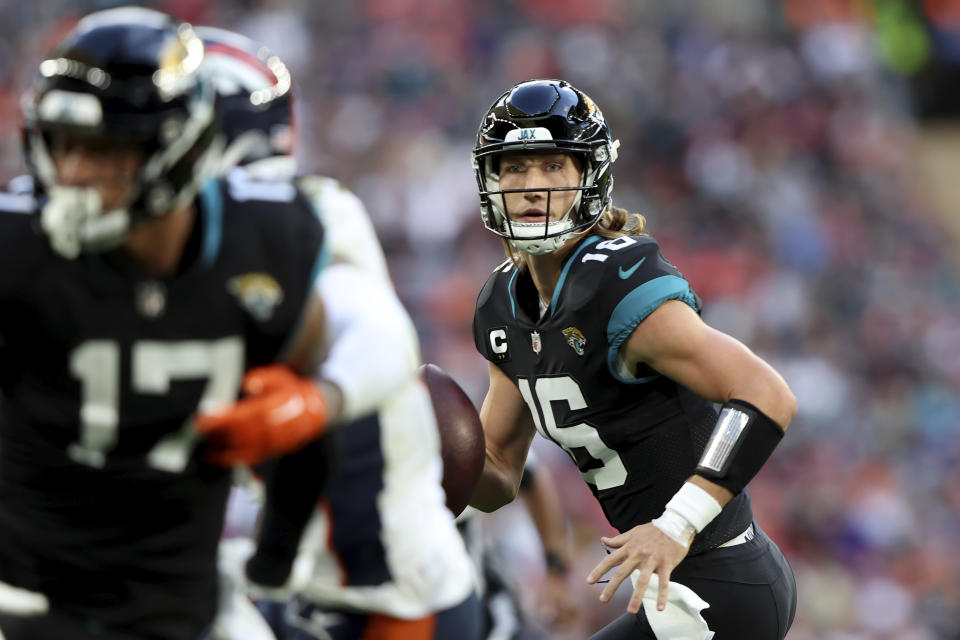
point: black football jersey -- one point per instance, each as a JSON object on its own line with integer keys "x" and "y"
{"x": 105, "y": 504}
{"x": 635, "y": 436}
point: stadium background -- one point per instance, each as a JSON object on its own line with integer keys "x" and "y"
{"x": 796, "y": 160}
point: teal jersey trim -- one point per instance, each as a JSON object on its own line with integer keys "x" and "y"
{"x": 510, "y": 293}
{"x": 566, "y": 268}
{"x": 324, "y": 257}
{"x": 637, "y": 305}
{"x": 212, "y": 208}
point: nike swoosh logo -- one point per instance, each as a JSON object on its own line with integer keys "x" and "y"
{"x": 629, "y": 272}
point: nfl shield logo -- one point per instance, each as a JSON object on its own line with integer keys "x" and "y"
{"x": 151, "y": 298}
{"x": 535, "y": 341}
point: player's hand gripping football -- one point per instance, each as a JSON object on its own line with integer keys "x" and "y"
{"x": 280, "y": 413}
{"x": 646, "y": 548}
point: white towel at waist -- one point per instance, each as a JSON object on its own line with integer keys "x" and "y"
{"x": 680, "y": 619}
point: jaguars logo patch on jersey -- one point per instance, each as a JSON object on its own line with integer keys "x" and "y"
{"x": 575, "y": 339}
{"x": 259, "y": 293}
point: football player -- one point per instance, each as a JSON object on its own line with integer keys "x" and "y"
{"x": 595, "y": 340}
{"x": 137, "y": 297}
{"x": 382, "y": 556}
{"x": 503, "y": 612}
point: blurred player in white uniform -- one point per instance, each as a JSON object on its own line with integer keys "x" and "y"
{"x": 504, "y": 617}
{"x": 381, "y": 555}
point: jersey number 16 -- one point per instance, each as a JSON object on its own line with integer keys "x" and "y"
{"x": 611, "y": 472}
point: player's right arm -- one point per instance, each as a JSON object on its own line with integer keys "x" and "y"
{"x": 508, "y": 429}
{"x": 369, "y": 347}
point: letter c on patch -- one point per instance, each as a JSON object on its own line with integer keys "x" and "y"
{"x": 498, "y": 340}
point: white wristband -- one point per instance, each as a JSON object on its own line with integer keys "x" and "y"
{"x": 695, "y": 505}
{"x": 675, "y": 526}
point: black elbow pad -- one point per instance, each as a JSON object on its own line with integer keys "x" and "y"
{"x": 742, "y": 440}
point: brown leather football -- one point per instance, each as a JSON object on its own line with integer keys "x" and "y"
{"x": 461, "y": 436}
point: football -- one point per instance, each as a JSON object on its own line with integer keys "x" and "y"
{"x": 461, "y": 436}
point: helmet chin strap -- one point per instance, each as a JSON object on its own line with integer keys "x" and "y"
{"x": 540, "y": 247}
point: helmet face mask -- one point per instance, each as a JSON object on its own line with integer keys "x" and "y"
{"x": 123, "y": 79}
{"x": 544, "y": 116}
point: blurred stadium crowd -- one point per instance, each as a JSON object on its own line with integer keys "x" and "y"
{"x": 770, "y": 146}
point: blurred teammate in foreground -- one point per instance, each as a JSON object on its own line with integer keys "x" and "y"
{"x": 138, "y": 295}
{"x": 504, "y": 616}
{"x": 137, "y": 292}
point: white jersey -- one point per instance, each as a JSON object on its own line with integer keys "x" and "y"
{"x": 388, "y": 543}
{"x": 470, "y": 527}
{"x": 350, "y": 233}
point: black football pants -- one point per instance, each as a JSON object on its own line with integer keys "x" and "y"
{"x": 750, "y": 589}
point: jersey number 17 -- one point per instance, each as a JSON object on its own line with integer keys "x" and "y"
{"x": 154, "y": 365}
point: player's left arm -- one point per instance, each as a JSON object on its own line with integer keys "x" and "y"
{"x": 757, "y": 403}
{"x": 757, "y": 408}
{"x": 677, "y": 343}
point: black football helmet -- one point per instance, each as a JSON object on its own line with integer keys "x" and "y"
{"x": 125, "y": 77}
{"x": 254, "y": 98}
{"x": 544, "y": 115}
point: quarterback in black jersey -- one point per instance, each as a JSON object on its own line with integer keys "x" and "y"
{"x": 137, "y": 298}
{"x": 594, "y": 339}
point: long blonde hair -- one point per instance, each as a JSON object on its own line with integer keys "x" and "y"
{"x": 613, "y": 223}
